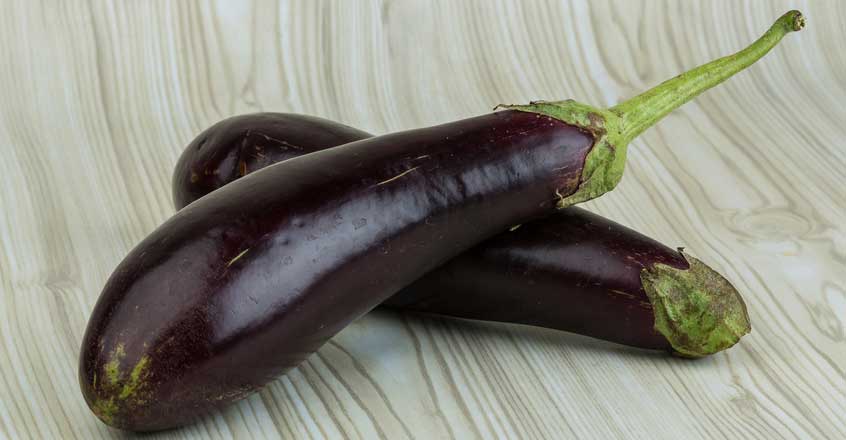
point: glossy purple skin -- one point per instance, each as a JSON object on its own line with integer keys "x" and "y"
{"x": 574, "y": 270}
{"x": 245, "y": 283}
{"x": 242, "y": 144}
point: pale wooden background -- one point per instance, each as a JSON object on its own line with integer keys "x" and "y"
{"x": 98, "y": 98}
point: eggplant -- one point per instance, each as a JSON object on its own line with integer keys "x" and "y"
{"x": 573, "y": 270}
{"x": 194, "y": 318}
{"x": 580, "y": 272}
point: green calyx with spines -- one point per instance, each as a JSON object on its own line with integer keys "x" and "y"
{"x": 615, "y": 127}
{"x": 606, "y": 160}
{"x": 696, "y": 309}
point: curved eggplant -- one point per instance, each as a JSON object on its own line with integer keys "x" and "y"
{"x": 580, "y": 272}
{"x": 191, "y": 319}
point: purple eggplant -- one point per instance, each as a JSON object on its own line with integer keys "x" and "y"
{"x": 573, "y": 270}
{"x": 193, "y": 319}
{"x": 580, "y": 272}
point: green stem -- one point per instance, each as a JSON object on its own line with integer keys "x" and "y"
{"x": 639, "y": 113}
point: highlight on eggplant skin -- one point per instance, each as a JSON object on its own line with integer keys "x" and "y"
{"x": 574, "y": 270}
{"x": 173, "y": 335}
{"x": 239, "y": 145}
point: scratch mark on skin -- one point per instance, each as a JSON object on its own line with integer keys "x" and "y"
{"x": 626, "y": 294}
{"x": 279, "y": 141}
{"x": 290, "y": 145}
{"x": 237, "y": 257}
{"x": 514, "y": 228}
{"x": 421, "y": 157}
{"x": 560, "y": 197}
{"x": 397, "y": 176}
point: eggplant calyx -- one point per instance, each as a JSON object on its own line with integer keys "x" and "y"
{"x": 604, "y": 163}
{"x": 614, "y": 128}
{"x": 696, "y": 309}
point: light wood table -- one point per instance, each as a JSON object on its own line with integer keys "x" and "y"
{"x": 98, "y": 98}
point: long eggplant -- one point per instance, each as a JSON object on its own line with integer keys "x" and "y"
{"x": 193, "y": 319}
{"x": 573, "y": 270}
{"x": 580, "y": 272}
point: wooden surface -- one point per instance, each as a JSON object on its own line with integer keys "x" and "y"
{"x": 98, "y": 98}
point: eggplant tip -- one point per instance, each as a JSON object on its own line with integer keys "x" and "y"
{"x": 696, "y": 309}
{"x": 117, "y": 391}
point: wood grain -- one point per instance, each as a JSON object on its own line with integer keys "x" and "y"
{"x": 97, "y": 99}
